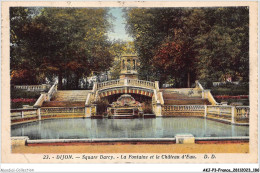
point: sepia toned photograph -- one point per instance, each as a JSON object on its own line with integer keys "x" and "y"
{"x": 130, "y": 83}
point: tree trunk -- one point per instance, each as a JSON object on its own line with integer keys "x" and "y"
{"x": 77, "y": 82}
{"x": 60, "y": 81}
{"x": 188, "y": 81}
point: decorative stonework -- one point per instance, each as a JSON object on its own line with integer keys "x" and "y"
{"x": 125, "y": 105}
{"x": 129, "y": 66}
{"x": 125, "y": 100}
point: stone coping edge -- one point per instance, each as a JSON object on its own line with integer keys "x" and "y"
{"x": 132, "y": 139}
{"x": 213, "y": 119}
{"x": 101, "y": 140}
{"x": 221, "y": 138}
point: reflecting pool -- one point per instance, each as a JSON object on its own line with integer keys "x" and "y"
{"x": 126, "y": 128}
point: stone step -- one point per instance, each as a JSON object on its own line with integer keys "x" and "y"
{"x": 123, "y": 115}
{"x": 170, "y": 95}
{"x": 130, "y": 113}
{"x": 71, "y": 95}
{"x": 186, "y": 102}
{"x": 173, "y": 98}
{"x": 125, "y": 110}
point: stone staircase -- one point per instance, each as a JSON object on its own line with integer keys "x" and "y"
{"x": 172, "y": 98}
{"x": 68, "y": 98}
{"x": 124, "y": 112}
{"x": 71, "y": 95}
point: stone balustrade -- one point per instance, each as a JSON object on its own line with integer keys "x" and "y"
{"x": 157, "y": 102}
{"x": 17, "y": 114}
{"x": 242, "y": 112}
{"x": 160, "y": 98}
{"x": 188, "y": 108}
{"x": 34, "y": 114}
{"x": 46, "y": 96}
{"x": 198, "y": 85}
{"x": 232, "y": 114}
{"x": 90, "y": 106}
{"x": 223, "y": 83}
{"x": 111, "y": 83}
{"x": 104, "y": 86}
{"x": 142, "y": 83}
{"x": 206, "y": 94}
{"x": 90, "y": 98}
{"x": 40, "y": 100}
{"x": 183, "y": 110}
{"x": 52, "y": 90}
{"x": 224, "y": 112}
{"x": 42, "y": 87}
{"x": 54, "y": 111}
{"x": 126, "y": 82}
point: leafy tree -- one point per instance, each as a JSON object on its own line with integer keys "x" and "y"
{"x": 150, "y": 28}
{"x": 21, "y": 58}
{"x": 67, "y": 42}
{"x": 225, "y": 46}
{"x": 190, "y": 43}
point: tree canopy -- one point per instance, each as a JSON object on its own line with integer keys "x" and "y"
{"x": 66, "y": 42}
{"x": 175, "y": 45}
{"x": 180, "y": 45}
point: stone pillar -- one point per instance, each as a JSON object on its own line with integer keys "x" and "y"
{"x": 56, "y": 87}
{"x": 44, "y": 86}
{"x": 125, "y": 82}
{"x": 22, "y": 114}
{"x": 88, "y": 111}
{"x": 158, "y": 110}
{"x": 46, "y": 96}
{"x": 185, "y": 138}
{"x": 38, "y": 112}
{"x": 156, "y": 85}
{"x": 205, "y": 110}
{"x": 233, "y": 114}
{"x": 121, "y": 68}
{"x": 124, "y": 64}
{"x": 95, "y": 87}
{"x": 95, "y": 109}
{"x": 19, "y": 141}
{"x": 131, "y": 64}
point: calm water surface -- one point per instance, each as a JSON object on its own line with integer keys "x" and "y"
{"x": 126, "y": 128}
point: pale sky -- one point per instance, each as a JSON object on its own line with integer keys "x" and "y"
{"x": 119, "y": 32}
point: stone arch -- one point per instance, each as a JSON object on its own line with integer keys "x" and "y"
{"x": 125, "y": 90}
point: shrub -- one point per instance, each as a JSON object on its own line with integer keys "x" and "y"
{"x": 23, "y": 97}
{"x": 23, "y": 100}
{"x": 231, "y": 97}
{"x": 231, "y": 89}
{"x": 17, "y": 94}
{"x": 16, "y": 105}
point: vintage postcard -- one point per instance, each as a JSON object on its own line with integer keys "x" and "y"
{"x": 129, "y": 82}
